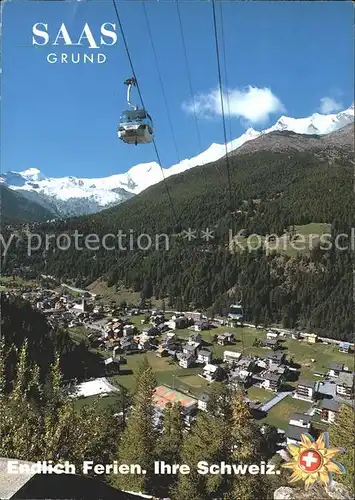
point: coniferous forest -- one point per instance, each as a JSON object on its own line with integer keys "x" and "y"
{"x": 39, "y": 421}
{"x": 269, "y": 193}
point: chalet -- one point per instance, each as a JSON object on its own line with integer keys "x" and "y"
{"x": 162, "y": 327}
{"x": 278, "y": 369}
{"x": 157, "y": 312}
{"x": 328, "y": 410}
{"x": 272, "y": 335}
{"x": 300, "y": 420}
{"x": 271, "y": 344}
{"x": 231, "y": 356}
{"x": 212, "y": 372}
{"x": 305, "y": 390}
{"x": 345, "y": 347}
{"x": 199, "y": 326}
{"x": 112, "y": 366}
{"x": 225, "y": 339}
{"x": 293, "y": 434}
{"x": 334, "y": 369}
{"x": 345, "y": 385}
{"x": 195, "y": 337}
{"x": 270, "y": 381}
{"x": 246, "y": 363}
{"x": 162, "y": 352}
{"x": 312, "y": 338}
{"x": 143, "y": 344}
{"x": 174, "y": 349}
{"x": 203, "y": 401}
{"x": 130, "y": 348}
{"x": 186, "y": 359}
{"x": 191, "y": 348}
{"x": 299, "y": 424}
{"x": 195, "y": 316}
{"x": 151, "y": 331}
{"x": 275, "y": 356}
{"x": 178, "y": 323}
{"x": 240, "y": 378}
{"x": 169, "y": 339}
{"x": 204, "y": 356}
{"x": 157, "y": 319}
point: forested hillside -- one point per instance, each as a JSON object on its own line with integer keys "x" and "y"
{"x": 16, "y": 208}
{"x": 21, "y": 324}
{"x": 269, "y": 192}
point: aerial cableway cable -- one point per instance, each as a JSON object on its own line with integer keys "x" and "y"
{"x": 190, "y": 83}
{"x": 225, "y": 70}
{"x": 142, "y": 102}
{"x": 161, "y": 81}
{"x": 222, "y": 106}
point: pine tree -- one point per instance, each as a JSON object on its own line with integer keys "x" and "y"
{"x": 169, "y": 445}
{"x": 247, "y": 449}
{"x": 139, "y": 438}
{"x": 20, "y": 426}
{"x": 207, "y": 441}
{"x": 142, "y": 367}
{"x": 341, "y": 435}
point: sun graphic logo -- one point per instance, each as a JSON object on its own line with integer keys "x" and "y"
{"x": 312, "y": 461}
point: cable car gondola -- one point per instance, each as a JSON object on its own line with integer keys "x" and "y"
{"x": 136, "y": 126}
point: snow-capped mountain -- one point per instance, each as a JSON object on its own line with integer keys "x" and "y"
{"x": 67, "y": 196}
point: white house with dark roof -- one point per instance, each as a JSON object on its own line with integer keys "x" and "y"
{"x": 203, "y": 401}
{"x": 225, "y": 338}
{"x": 195, "y": 337}
{"x": 345, "y": 385}
{"x": 191, "y": 347}
{"x": 204, "y": 356}
{"x": 269, "y": 381}
{"x": 212, "y": 372}
{"x": 344, "y": 347}
{"x": 186, "y": 359}
{"x": 329, "y": 409}
{"x": 299, "y": 424}
{"x": 300, "y": 420}
{"x": 305, "y": 390}
{"x": 334, "y": 369}
{"x": 231, "y": 356}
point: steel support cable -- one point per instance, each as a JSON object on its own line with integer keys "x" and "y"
{"x": 161, "y": 81}
{"x": 142, "y": 102}
{"x": 222, "y": 105}
{"x": 225, "y": 70}
{"x": 190, "y": 83}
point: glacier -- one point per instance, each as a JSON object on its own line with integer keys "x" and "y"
{"x": 71, "y": 196}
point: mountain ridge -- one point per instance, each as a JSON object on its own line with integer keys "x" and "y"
{"x": 72, "y": 196}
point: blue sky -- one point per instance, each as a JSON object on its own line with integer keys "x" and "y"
{"x": 282, "y": 58}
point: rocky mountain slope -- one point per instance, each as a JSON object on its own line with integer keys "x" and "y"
{"x": 16, "y": 208}
{"x": 70, "y": 196}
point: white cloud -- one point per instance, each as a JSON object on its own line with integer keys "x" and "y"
{"x": 252, "y": 104}
{"x": 329, "y": 105}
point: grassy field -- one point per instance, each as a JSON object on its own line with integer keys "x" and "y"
{"x": 279, "y": 415}
{"x": 111, "y": 294}
{"x": 259, "y": 394}
{"x": 9, "y": 282}
{"x": 308, "y": 237}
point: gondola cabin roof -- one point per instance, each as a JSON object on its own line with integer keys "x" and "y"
{"x": 133, "y": 115}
